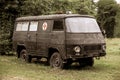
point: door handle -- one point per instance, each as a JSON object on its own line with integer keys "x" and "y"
{"x": 28, "y": 36}
{"x": 36, "y": 34}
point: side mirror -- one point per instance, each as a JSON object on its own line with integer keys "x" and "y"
{"x": 104, "y": 33}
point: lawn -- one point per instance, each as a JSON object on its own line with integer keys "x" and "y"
{"x": 107, "y": 68}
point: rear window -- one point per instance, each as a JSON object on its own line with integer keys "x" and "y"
{"x": 33, "y": 26}
{"x": 22, "y": 26}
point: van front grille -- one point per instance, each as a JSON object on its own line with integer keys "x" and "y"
{"x": 92, "y": 47}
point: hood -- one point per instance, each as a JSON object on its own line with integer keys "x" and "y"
{"x": 84, "y": 38}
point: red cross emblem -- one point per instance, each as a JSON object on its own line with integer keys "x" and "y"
{"x": 44, "y": 26}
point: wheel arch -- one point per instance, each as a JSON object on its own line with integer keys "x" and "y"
{"x": 51, "y": 50}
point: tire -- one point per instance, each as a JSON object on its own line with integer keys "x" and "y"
{"x": 56, "y": 61}
{"x": 28, "y": 59}
{"x": 18, "y": 53}
{"x": 24, "y": 56}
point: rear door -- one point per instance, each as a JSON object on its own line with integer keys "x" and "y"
{"x": 31, "y": 37}
{"x": 20, "y": 33}
{"x": 43, "y": 37}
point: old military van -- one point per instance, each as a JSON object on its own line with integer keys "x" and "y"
{"x": 60, "y": 38}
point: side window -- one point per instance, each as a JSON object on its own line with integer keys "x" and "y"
{"x": 58, "y": 25}
{"x": 22, "y": 26}
{"x": 33, "y": 26}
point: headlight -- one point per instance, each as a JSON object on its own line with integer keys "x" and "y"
{"x": 104, "y": 47}
{"x": 77, "y": 49}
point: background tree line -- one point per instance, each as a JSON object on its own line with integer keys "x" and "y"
{"x": 106, "y": 11}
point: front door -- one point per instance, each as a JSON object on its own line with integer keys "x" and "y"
{"x": 31, "y": 37}
{"x": 58, "y": 37}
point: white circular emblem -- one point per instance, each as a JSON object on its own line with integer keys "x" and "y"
{"x": 44, "y": 26}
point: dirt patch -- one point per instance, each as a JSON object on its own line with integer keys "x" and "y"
{"x": 12, "y": 78}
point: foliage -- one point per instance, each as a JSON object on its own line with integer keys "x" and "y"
{"x": 86, "y": 7}
{"x": 42, "y": 7}
{"x": 61, "y": 5}
{"x": 107, "y": 10}
{"x": 35, "y": 7}
{"x": 117, "y": 27}
{"x": 8, "y": 14}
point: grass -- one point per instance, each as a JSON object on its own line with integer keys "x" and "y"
{"x": 107, "y": 68}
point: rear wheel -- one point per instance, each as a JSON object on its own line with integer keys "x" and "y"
{"x": 24, "y": 56}
{"x": 56, "y": 60}
{"x": 18, "y": 54}
{"x": 28, "y": 58}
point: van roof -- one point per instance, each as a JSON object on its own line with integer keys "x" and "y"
{"x": 55, "y": 16}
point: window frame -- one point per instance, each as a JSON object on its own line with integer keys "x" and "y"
{"x": 21, "y": 24}
{"x": 32, "y": 29}
{"x": 59, "y": 29}
{"x": 83, "y": 25}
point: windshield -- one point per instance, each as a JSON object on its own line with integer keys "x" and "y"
{"x": 82, "y": 25}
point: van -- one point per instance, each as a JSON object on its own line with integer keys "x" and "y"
{"x": 60, "y": 38}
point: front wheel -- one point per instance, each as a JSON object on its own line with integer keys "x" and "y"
{"x": 56, "y": 60}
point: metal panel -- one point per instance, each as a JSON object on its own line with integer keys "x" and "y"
{"x": 50, "y": 17}
{"x": 31, "y": 42}
{"x": 31, "y": 38}
{"x": 19, "y": 38}
{"x": 58, "y": 42}
{"x": 43, "y": 37}
{"x": 90, "y": 44}
{"x": 93, "y": 38}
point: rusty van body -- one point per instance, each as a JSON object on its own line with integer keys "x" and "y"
{"x": 61, "y": 39}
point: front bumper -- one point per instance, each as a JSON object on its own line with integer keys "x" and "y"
{"x": 86, "y": 51}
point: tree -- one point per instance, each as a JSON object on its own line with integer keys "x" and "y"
{"x": 107, "y": 10}
{"x": 61, "y": 6}
{"x": 35, "y": 7}
{"x": 86, "y": 7}
{"x": 42, "y": 7}
{"x": 8, "y": 13}
{"x": 117, "y": 26}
